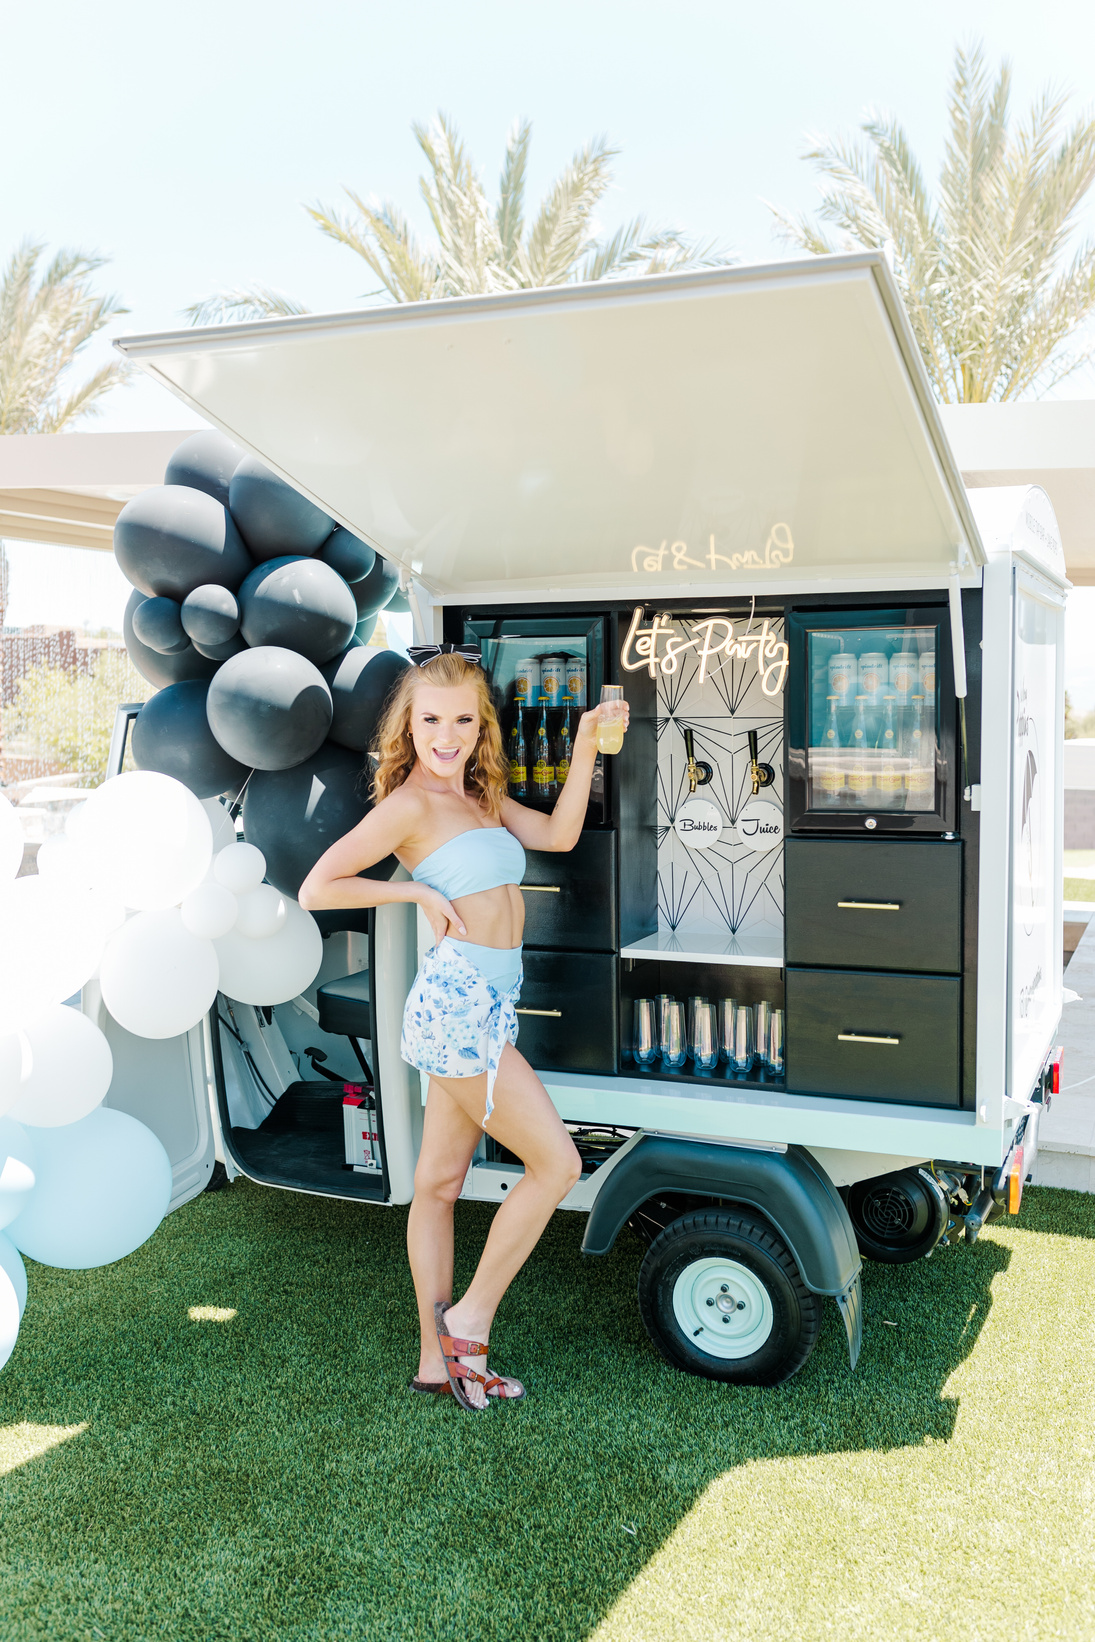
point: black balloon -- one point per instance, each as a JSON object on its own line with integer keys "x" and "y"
{"x": 172, "y": 539}
{"x": 365, "y": 629}
{"x": 374, "y": 590}
{"x": 156, "y": 623}
{"x": 274, "y": 519}
{"x": 221, "y": 652}
{"x": 158, "y": 669}
{"x": 211, "y": 614}
{"x": 292, "y": 816}
{"x": 398, "y": 605}
{"x": 270, "y": 708}
{"x": 172, "y": 735}
{"x": 299, "y": 604}
{"x": 360, "y": 682}
{"x": 205, "y": 461}
{"x": 348, "y": 554}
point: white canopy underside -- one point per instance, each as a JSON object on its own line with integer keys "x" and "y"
{"x": 692, "y": 431}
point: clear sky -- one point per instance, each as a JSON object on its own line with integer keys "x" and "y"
{"x": 180, "y": 142}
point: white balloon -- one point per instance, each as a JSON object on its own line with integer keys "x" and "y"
{"x": 11, "y": 1262}
{"x": 158, "y": 979}
{"x": 9, "y": 1316}
{"x": 18, "y": 1160}
{"x": 224, "y": 828}
{"x": 209, "y": 911}
{"x": 276, "y": 969}
{"x": 11, "y": 840}
{"x": 15, "y": 1058}
{"x": 240, "y": 867}
{"x": 59, "y": 859}
{"x": 261, "y": 912}
{"x": 52, "y": 936}
{"x": 70, "y": 1070}
{"x": 145, "y": 839}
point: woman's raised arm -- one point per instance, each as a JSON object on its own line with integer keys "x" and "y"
{"x": 562, "y": 829}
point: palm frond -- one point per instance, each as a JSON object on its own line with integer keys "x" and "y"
{"x": 242, "y": 303}
{"x": 47, "y": 317}
{"x": 510, "y": 215}
{"x": 561, "y": 232}
{"x": 980, "y": 268}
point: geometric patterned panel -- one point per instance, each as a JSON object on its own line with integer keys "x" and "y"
{"x": 727, "y": 888}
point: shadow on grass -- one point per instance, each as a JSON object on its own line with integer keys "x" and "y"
{"x": 269, "y": 1476}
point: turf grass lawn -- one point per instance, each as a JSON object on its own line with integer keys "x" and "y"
{"x": 213, "y": 1439}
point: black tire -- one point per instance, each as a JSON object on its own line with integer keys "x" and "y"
{"x": 218, "y": 1180}
{"x": 715, "y": 1263}
{"x": 898, "y": 1218}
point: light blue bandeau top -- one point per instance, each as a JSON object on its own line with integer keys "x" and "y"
{"x": 482, "y": 858}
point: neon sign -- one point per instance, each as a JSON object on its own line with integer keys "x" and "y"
{"x": 714, "y": 636}
{"x": 779, "y": 550}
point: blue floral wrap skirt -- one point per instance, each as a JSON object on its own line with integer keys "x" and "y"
{"x": 456, "y": 1022}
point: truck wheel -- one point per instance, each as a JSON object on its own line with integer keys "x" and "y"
{"x": 720, "y": 1295}
{"x": 897, "y": 1218}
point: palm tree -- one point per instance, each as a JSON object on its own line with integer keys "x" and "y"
{"x": 46, "y": 320}
{"x": 992, "y": 292}
{"x": 477, "y": 249}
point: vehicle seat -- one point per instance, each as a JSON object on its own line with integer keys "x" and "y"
{"x": 344, "y": 1006}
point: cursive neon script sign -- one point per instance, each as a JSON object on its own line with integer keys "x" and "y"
{"x": 779, "y": 550}
{"x": 711, "y": 637}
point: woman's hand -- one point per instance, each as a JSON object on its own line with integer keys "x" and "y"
{"x": 439, "y": 913}
{"x": 587, "y": 724}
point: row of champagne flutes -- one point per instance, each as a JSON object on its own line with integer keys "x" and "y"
{"x": 706, "y": 1031}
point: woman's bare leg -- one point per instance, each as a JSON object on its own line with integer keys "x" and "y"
{"x": 449, "y": 1138}
{"x": 525, "y": 1122}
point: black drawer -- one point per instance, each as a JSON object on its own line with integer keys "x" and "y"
{"x": 568, "y": 1013}
{"x": 570, "y": 898}
{"x": 832, "y": 1016}
{"x": 912, "y": 918}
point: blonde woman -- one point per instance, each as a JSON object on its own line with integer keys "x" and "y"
{"x": 442, "y": 808}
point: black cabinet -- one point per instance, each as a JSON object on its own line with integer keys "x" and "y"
{"x": 568, "y": 1012}
{"x": 872, "y": 1036}
{"x": 874, "y": 904}
{"x": 570, "y": 898}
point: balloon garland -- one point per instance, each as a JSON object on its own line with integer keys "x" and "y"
{"x": 249, "y": 613}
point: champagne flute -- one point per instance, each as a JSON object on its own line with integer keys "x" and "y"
{"x": 705, "y": 1040}
{"x": 610, "y": 719}
{"x": 646, "y": 1031}
{"x": 675, "y": 1049}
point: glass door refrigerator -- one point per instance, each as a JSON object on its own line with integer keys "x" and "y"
{"x": 871, "y": 745}
{"x": 545, "y": 671}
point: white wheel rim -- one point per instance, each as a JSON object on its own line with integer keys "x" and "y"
{"x": 722, "y": 1308}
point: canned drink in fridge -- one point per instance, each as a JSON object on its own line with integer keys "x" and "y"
{"x": 904, "y": 673}
{"x": 927, "y": 675}
{"x": 576, "y": 680}
{"x": 553, "y": 672}
{"x": 526, "y": 680}
{"x": 874, "y": 675}
{"x": 843, "y": 676}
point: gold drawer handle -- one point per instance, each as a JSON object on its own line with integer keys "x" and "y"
{"x": 542, "y": 889}
{"x": 556, "y": 1014}
{"x": 862, "y": 1037}
{"x": 872, "y": 906}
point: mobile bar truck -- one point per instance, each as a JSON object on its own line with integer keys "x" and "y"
{"x": 796, "y": 990}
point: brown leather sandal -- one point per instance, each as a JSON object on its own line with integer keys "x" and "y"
{"x": 444, "y": 1389}
{"x": 452, "y": 1349}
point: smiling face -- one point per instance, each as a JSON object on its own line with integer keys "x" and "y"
{"x": 445, "y": 728}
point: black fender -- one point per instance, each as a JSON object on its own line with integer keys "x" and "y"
{"x": 790, "y": 1189}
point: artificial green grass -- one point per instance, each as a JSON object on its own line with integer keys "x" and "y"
{"x": 269, "y": 1477}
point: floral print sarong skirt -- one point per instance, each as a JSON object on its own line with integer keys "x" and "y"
{"x": 456, "y": 1023}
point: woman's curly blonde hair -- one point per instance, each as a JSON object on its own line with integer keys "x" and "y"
{"x": 485, "y": 775}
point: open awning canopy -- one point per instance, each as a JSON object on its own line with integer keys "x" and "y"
{"x": 765, "y": 425}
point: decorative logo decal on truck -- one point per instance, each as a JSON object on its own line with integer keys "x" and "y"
{"x": 779, "y": 550}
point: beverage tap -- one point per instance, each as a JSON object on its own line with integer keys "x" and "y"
{"x": 762, "y": 775}
{"x": 699, "y": 773}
